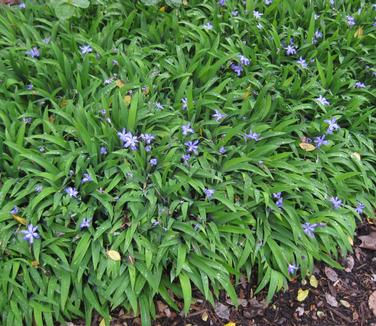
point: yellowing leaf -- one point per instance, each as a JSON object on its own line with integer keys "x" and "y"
{"x": 35, "y": 263}
{"x": 19, "y": 219}
{"x": 127, "y": 99}
{"x": 162, "y": 9}
{"x": 119, "y": 83}
{"x": 114, "y": 255}
{"x": 356, "y": 155}
{"x": 302, "y": 295}
{"x": 350, "y": 240}
{"x": 313, "y": 281}
{"x": 205, "y": 316}
{"x": 102, "y": 323}
{"x": 307, "y": 147}
{"x": 359, "y": 32}
{"x": 230, "y": 324}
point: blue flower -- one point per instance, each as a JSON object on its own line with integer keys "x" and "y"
{"x": 71, "y": 191}
{"x": 359, "y": 85}
{"x": 218, "y": 116}
{"x": 244, "y": 60}
{"x": 359, "y": 208}
{"x": 222, "y": 150}
{"x": 209, "y": 193}
{"x": 184, "y": 101}
{"x": 208, "y": 26}
{"x": 30, "y": 233}
{"x": 153, "y": 162}
{"x": 147, "y": 138}
{"x": 290, "y": 49}
{"x": 14, "y": 210}
{"x": 268, "y": 2}
{"x": 350, "y": 21}
{"x": 292, "y": 268}
{"x": 186, "y": 129}
{"x": 103, "y": 150}
{"x": 38, "y": 188}
{"x": 252, "y": 135}
{"x": 238, "y": 69}
{"x": 86, "y": 178}
{"x": 85, "y": 223}
{"x": 192, "y": 146}
{"x": 222, "y": 2}
{"x": 336, "y": 202}
{"x": 319, "y": 141}
{"x": 257, "y": 14}
{"x": 22, "y": 5}
{"x": 186, "y": 158}
{"x": 84, "y": 49}
{"x": 34, "y": 52}
{"x": 332, "y": 125}
{"x": 302, "y": 63}
{"x": 159, "y": 106}
{"x": 309, "y": 229}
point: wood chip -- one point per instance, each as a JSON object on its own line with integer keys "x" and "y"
{"x": 349, "y": 264}
{"x": 331, "y": 300}
{"x": 372, "y": 302}
{"x": 368, "y": 241}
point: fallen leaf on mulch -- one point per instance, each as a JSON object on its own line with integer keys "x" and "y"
{"x": 230, "y": 324}
{"x": 368, "y": 241}
{"x": 205, "y": 316}
{"x": 313, "y": 281}
{"x": 344, "y": 303}
{"x": 349, "y": 264}
{"x": 331, "y": 274}
{"x": 302, "y": 295}
{"x": 222, "y": 311}
{"x": 300, "y": 311}
{"x": 9, "y": 2}
{"x": 331, "y": 300}
{"x": 372, "y": 302}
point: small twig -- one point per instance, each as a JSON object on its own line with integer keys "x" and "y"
{"x": 196, "y": 313}
{"x": 342, "y": 316}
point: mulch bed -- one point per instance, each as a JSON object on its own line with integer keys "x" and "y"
{"x": 340, "y": 298}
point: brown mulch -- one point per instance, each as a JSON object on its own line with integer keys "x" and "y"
{"x": 342, "y": 297}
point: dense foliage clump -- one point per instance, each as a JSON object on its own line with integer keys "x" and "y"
{"x": 147, "y": 150}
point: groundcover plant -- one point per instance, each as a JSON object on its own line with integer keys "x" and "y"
{"x": 149, "y": 150}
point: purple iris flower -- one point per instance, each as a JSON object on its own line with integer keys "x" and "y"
{"x": 336, "y": 202}
{"x": 128, "y": 139}
{"x": 14, "y": 210}
{"x": 218, "y": 116}
{"x": 108, "y": 81}
{"x": 38, "y": 188}
{"x": 290, "y": 49}
{"x": 46, "y": 40}
{"x": 360, "y": 85}
{"x": 186, "y": 129}
{"x": 238, "y": 69}
{"x": 153, "y": 162}
{"x": 192, "y": 146}
{"x": 209, "y": 193}
{"x": 85, "y": 223}
{"x": 309, "y": 229}
{"x": 333, "y": 126}
{"x": 208, "y": 26}
{"x": 158, "y": 106}
{"x": 222, "y": 150}
{"x": 147, "y": 138}
{"x": 279, "y": 201}
{"x": 277, "y": 195}
{"x": 350, "y": 21}
{"x": 234, "y": 13}
{"x": 252, "y": 135}
{"x": 29, "y": 87}
{"x": 222, "y": 2}
{"x": 322, "y": 100}
{"x": 22, "y": 5}
{"x": 34, "y": 52}
{"x": 103, "y": 150}
{"x": 320, "y": 140}
{"x": 292, "y": 268}
{"x": 268, "y": 2}
{"x": 257, "y": 14}
{"x": 244, "y": 60}
{"x": 30, "y": 233}
{"x": 85, "y": 49}
{"x": 186, "y": 158}
{"x": 302, "y": 63}
{"x": 27, "y": 120}
{"x": 318, "y": 34}
{"x": 86, "y": 178}
{"x": 359, "y": 208}
{"x": 42, "y": 149}
{"x": 148, "y": 148}
{"x": 71, "y": 191}
{"x": 184, "y": 101}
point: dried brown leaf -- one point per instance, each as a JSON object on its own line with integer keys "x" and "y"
{"x": 349, "y": 264}
{"x": 331, "y": 274}
{"x": 368, "y": 241}
{"x": 331, "y": 300}
{"x": 372, "y": 302}
{"x": 222, "y": 311}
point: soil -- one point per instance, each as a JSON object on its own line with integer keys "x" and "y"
{"x": 342, "y": 297}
